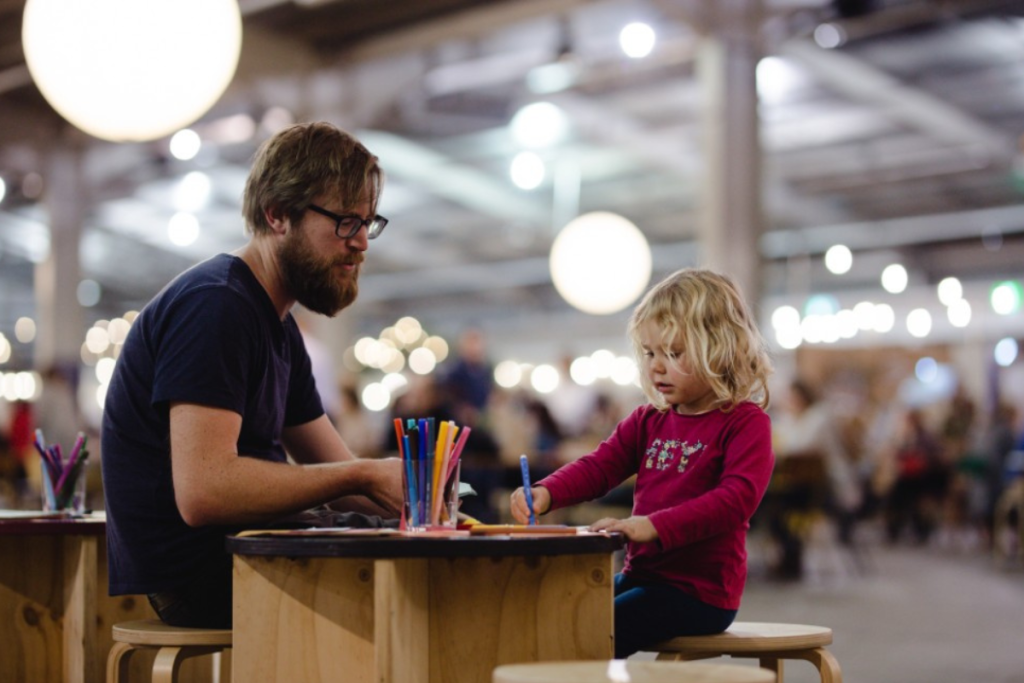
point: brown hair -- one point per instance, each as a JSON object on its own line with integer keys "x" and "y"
{"x": 303, "y": 162}
{"x": 704, "y": 311}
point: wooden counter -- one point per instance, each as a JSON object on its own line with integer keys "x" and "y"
{"x": 55, "y": 614}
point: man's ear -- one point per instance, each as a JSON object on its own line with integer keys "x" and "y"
{"x": 276, "y": 219}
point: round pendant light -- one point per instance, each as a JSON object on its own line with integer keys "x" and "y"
{"x": 600, "y": 263}
{"x": 132, "y": 70}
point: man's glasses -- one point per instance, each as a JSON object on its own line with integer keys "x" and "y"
{"x": 347, "y": 225}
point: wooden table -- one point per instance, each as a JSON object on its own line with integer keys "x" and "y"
{"x": 55, "y": 614}
{"x": 403, "y": 609}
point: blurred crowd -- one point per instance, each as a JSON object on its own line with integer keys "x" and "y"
{"x": 919, "y": 474}
{"x": 913, "y": 474}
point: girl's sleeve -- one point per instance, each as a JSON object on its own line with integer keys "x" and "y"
{"x": 747, "y": 467}
{"x": 597, "y": 473}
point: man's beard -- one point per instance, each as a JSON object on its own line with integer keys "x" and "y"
{"x": 317, "y": 283}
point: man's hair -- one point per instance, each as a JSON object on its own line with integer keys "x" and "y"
{"x": 303, "y": 162}
{"x": 704, "y": 312}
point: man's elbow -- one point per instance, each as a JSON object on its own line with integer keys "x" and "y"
{"x": 198, "y": 509}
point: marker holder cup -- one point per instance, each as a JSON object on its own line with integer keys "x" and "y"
{"x": 71, "y": 497}
{"x": 450, "y": 513}
{"x": 415, "y": 520}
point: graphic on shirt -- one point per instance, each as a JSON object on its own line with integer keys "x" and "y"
{"x": 661, "y": 454}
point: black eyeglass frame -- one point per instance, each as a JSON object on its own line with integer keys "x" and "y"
{"x": 374, "y": 226}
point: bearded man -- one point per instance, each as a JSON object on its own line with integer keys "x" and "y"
{"x": 213, "y": 388}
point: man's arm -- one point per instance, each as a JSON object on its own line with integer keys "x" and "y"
{"x": 213, "y": 485}
{"x": 316, "y": 442}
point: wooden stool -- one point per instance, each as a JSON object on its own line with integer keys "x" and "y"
{"x": 173, "y": 645}
{"x": 618, "y": 670}
{"x": 769, "y": 643}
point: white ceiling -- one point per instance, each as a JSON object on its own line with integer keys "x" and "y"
{"x": 900, "y": 144}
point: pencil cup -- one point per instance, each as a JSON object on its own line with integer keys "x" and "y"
{"x": 68, "y": 497}
{"x": 415, "y": 514}
{"x": 430, "y": 471}
{"x": 450, "y": 514}
{"x": 407, "y": 517}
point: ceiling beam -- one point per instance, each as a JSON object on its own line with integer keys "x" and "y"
{"x": 526, "y": 272}
{"x": 464, "y": 185}
{"x": 485, "y": 18}
{"x": 896, "y": 232}
{"x": 862, "y": 82}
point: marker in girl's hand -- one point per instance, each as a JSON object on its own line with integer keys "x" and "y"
{"x": 525, "y": 467}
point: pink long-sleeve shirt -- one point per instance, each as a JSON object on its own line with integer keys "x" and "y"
{"x": 699, "y": 480}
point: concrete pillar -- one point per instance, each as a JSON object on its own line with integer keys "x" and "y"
{"x": 59, "y": 316}
{"x": 731, "y": 219}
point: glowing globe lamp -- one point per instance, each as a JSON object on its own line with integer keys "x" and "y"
{"x": 132, "y": 70}
{"x": 600, "y": 263}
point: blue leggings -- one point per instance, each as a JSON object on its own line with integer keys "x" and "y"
{"x": 647, "y": 613}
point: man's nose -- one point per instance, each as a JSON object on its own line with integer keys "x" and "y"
{"x": 359, "y": 241}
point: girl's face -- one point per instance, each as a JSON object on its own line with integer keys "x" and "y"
{"x": 669, "y": 371}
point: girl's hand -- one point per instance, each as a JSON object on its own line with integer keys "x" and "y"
{"x": 637, "y": 529}
{"x": 541, "y": 503}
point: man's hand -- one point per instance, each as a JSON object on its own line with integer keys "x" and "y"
{"x": 637, "y": 529}
{"x": 541, "y": 503}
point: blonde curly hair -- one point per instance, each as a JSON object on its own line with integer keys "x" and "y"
{"x": 704, "y": 311}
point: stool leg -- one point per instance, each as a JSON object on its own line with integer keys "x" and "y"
{"x": 225, "y": 666}
{"x": 773, "y": 664}
{"x": 166, "y": 665}
{"x": 117, "y": 662}
{"x": 168, "y": 661}
{"x": 825, "y": 662}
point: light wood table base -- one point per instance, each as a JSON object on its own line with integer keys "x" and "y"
{"x": 416, "y": 620}
{"x": 55, "y": 613}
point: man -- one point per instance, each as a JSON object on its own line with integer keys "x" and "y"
{"x": 214, "y": 385}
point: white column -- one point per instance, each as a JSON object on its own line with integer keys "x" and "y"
{"x": 59, "y": 316}
{"x": 731, "y": 214}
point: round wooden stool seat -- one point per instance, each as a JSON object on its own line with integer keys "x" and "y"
{"x": 770, "y": 643}
{"x": 619, "y": 670}
{"x": 752, "y": 637}
{"x": 173, "y": 644}
{"x": 153, "y": 632}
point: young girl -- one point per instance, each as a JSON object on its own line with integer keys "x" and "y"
{"x": 701, "y": 453}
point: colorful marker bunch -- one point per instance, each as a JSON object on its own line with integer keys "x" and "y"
{"x": 60, "y": 475}
{"x": 430, "y": 461}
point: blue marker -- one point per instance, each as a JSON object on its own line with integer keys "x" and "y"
{"x": 525, "y": 467}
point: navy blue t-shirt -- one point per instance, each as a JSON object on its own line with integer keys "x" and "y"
{"x": 211, "y": 337}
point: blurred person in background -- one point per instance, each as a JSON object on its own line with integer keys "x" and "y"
{"x": 467, "y": 385}
{"x": 468, "y": 379}
{"x": 919, "y": 488}
{"x": 997, "y": 446}
{"x": 18, "y": 456}
{"x": 813, "y": 472}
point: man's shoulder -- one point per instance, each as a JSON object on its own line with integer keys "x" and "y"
{"x": 221, "y": 275}
{"x": 221, "y": 269}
